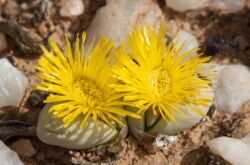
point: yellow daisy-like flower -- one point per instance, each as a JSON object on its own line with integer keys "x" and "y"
{"x": 79, "y": 83}
{"x": 157, "y": 77}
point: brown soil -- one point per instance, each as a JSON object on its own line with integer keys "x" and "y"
{"x": 226, "y": 36}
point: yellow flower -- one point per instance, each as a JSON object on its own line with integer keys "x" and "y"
{"x": 79, "y": 83}
{"x": 157, "y": 77}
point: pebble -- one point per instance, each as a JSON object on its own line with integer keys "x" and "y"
{"x": 235, "y": 151}
{"x": 118, "y": 18}
{"x": 232, "y": 89}
{"x": 8, "y": 156}
{"x": 72, "y": 8}
{"x": 185, "y": 5}
{"x": 12, "y": 84}
{"x": 3, "y": 42}
{"x": 2, "y": 2}
{"x": 231, "y": 6}
{"x": 24, "y": 6}
{"x": 162, "y": 141}
{"x": 50, "y": 130}
{"x": 23, "y": 147}
{"x": 11, "y": 8}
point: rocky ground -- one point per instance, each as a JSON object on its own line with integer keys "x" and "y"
{"x": 27, "y": 24}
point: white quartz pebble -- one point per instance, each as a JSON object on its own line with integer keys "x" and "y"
{"x": 71, "y": 8}
{"x": 230, "y": 6}
{"x": 3, "y": 42}
{"x": 50, "y": 130}
{"x": 118, "y": 18}
{"x": 12, "y": 84}
{"x": 8, "y": 157}
{"x": 235, "y": 151}
{"x": 184, "y": 5}
{"x": 232, "y": 89}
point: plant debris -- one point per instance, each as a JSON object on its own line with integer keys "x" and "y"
{"x": 13, "y": 128}
{"x": 25, "y": 41}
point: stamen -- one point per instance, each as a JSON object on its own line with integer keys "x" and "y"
{"x": 91, "y": 95}
{"x": 160, "y": 81}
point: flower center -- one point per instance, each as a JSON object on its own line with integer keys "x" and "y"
{"x": 160, "y": 81}
{"x": 91, "y": 95}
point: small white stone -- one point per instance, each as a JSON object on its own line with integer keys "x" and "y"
{"x": 8, "y": 157}
{"x": 50, "y": 130}
{"x": 12, "y": 84}
{"x": 230, "y": 6}
{"x": 118, "y": 18}
{"x": 3, "y": 42}
{"x": 184, "y": 5}
{"x": 24, "y": 6}
{"x": 235, "y": 151}
{"x": 71, "y": 8}
{"x": 232, "y": 88}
